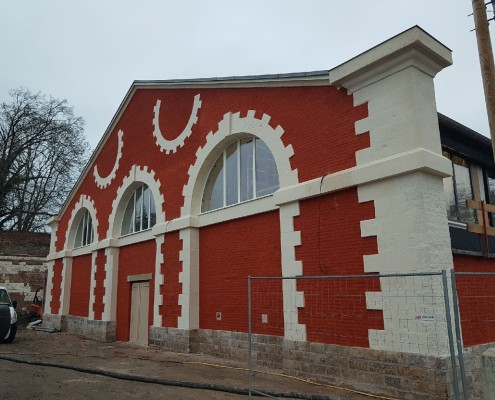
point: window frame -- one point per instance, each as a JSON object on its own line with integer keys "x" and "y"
{"x": 86, "y": 230}
{"x": 223, "y": 172}
{"x": 132, "y": 223}
{"x": 450, "y": 156}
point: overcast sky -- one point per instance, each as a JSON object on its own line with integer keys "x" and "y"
{"x": 90, "y": 52}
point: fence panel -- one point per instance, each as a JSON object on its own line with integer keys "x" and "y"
{"x": 305, "y": 326}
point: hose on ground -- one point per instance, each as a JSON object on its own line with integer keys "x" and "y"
{"x": 167, "y": 382}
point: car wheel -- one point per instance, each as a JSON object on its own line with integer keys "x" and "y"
{"x": 12, "y": 333}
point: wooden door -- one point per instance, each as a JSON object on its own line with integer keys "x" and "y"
{"x": 139, "y": 313}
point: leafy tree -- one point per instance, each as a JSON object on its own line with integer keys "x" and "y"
{"x": 42, "y": 152}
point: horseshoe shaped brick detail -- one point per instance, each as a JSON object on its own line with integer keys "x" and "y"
{"x": 169, "y": 146}
{"x": 102, "y": 183}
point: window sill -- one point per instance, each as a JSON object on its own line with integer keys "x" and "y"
{"x": 239, "y": 210}
{"x": 459, "y": 225}
{"x": 136, "y": 237}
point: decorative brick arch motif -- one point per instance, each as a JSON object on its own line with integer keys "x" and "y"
{"x": 84, "y": 203}
{"x": 136, "y": 176}
{"x": 229, "y": 127}
{"x": 102, "y": 183}
{"x": 171, "y": 145}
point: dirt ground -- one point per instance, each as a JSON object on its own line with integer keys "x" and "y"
{"x": 25, "y": 381}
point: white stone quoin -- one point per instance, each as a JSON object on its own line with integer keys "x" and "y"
{"x": 395, "y": 79}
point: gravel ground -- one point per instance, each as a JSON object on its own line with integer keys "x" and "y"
{"x": 24, "y": 381}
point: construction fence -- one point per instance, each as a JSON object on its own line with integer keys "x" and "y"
{"x": 403, "y": 335}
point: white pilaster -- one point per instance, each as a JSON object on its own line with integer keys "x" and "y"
{"x": 49, "y": 286}
{"x": 92, "y": 286}
{"x": 110, "y": 284}
{"x": 395, "y": 80}
{"x": 292, "y": 299}
{"x": 159, "y": 279}
{"x": 189, "y": 277}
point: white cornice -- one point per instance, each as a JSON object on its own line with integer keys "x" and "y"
{"x": 412, "y": 48}
{"x": 403, "y": 163}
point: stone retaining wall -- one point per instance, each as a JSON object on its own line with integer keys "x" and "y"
{"x": 173, "y": 339}
{"x": 103, "y": 331}
{"x": 400, "y": 375}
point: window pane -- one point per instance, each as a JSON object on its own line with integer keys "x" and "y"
{"x": 79, "y": 233}
{"x": 138, "y": 209}
{"x": 464, "y": 192}
{"x": 89, "y": 235}
{"x": 231, "y": 171}
{"x": 127, "y": 223}
{"x": 146, "y": 201}
{"x": 213, "y": 194}
{"x": 85, "y": 228}
{"x": 448, "y": 188}
{"x": 266, "y": 170}
{"x": 246, "y": 172}
{"x": 152, "y": 212}
{"x": 491, "y": 193}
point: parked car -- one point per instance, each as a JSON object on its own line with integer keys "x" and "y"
{"x": 8, "y": 317}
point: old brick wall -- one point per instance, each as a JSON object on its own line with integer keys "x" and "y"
{"x": 23, "y": 264}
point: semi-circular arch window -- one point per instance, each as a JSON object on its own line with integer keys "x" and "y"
{"x": 140, "y": 213}
{"x": 84, "y": 233}
{"x": 244, "y": 171}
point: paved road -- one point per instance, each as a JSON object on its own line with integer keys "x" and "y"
{"x": 27, "y": 382}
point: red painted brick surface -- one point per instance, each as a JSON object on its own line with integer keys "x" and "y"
{"x": 335, "y": 309}
{"x": 229, "y": 252}
{"x": 100, "y": 276}
{"x": 170, "y": 310}
{"x": 476, "y": 299}
{"x": 57, "y": 286}
{"x": 318, "y": 123}
{"x": 135, "y": 259}
{"x": 79, "y": 292}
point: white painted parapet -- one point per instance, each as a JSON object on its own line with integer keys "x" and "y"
{"x": 395, "y": 80}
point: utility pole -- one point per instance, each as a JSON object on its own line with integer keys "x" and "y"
{"x": 486, "y": 62}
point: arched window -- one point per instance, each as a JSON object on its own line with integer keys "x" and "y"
{"x": 244, "y": 171}
{"x": 140, "y": 213}
{"x": 84, "y": 233}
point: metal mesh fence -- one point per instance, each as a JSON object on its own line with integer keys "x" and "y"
{"x": 292, "y": 319}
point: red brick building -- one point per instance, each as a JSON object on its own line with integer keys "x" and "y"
{"x": 197, "y": 184}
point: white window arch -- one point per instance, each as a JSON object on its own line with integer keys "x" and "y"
{"x": 140, "y": 212}
{"x": 84, "y": 232}
{"x": 245, "y": 170}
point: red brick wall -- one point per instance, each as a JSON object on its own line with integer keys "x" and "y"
{"x": 316, "y": 120}
{"x": 57, "y": 283}
{"x": 171, "y": 288}
{"x": 79, "y": 292}
{"x": 229, "y": 252}
{"x": 476, "y": 299}
{"x": 133, "y": 260}
{"x": 335, "y": 310}
{"x": 318, "y": 123}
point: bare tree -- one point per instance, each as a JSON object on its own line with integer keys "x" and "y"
{"x": 42, "y": 152}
